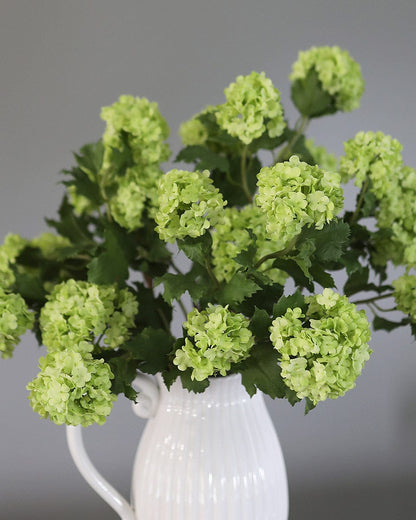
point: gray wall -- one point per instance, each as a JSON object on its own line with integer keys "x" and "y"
{"x": 59, "y": 63}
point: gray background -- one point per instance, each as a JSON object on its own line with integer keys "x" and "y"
{"x": 59, "y": 63}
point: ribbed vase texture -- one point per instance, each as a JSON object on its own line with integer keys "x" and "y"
{"x": 210, "y": 456}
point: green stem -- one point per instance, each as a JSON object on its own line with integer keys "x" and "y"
{"x": 277, "y": 254}
{"x": 164, "y": 320}
{"x": 183, "y": 308}
{"x": 211, "y": 273}
{"x": 360, "y": 200}
{"x": 374, "y": 299}
{"x": 244, "y": 174}
{"x": 300, "y": 127}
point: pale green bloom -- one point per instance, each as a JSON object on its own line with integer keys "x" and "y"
{"x": 324, "y": 159}
{"x": 324, "y": 351}
{"x": 15, "y": 319}
{"x": 405, "y": 294}
{"x": 193, "y": 132}
{"x": 128, "y": 204}
{"x": 338, "y": 72}
{"x": 72, "y": 388}
{"x": 10, "y": 249}
{"x": 294, "y": 194}
{"x": 219, "y": 338}
{"x": 138, "y": 123}
{"x": 189, "y": 204}
{"x": 252, "y": 107}
{"x": 231, "y": 236}
{"x": 373, "y": 155}
{"x": 50, "y": 244}
{"x": 82, "y": 311}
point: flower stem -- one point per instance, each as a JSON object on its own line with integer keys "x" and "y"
{"x": 244, "y": 175}
{"x": 277, "y": 254}
{"x": 360, "y": 200}
{"x": 211, "y": 274}
{"x": 300, "y": 127}
{"x": 374, "y": 299}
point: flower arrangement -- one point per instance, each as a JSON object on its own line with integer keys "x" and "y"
{"x": 101, "y": 289}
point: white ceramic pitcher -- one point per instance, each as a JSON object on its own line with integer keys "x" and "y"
{"x": 207, "y": 456}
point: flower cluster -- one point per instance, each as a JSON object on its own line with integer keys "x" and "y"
{"x": 324, "y": 351}
{"x": 193, "y": 132}
{"x": 219, "y": 338}
{"x": 405, "y": 294}
{"x": 10, "y": 249}
{"x": 231, "y": 236}
{"x": 50, "y": 244}
{"x": 324, "y": 159}
{"x": 339, "y": 74}
{"x": 294, "y": 194}
{"x": 188, "y": 205}
{"x": 252, "y": 107}
{"x": 78, "y": 312}
{"x": 374, "y": 156}
{"x": 72, "y": 388}
{"x": 15, "y": 319}
{"x": 138, "y": 124}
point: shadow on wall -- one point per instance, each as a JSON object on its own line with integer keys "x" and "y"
{"x": 360, "y": 501}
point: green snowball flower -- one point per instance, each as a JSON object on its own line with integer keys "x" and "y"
{"x": 82, "y": 311}
{"x": 72, "y": 388}
{"x": 252, "y": 107}
{"x": 12, "y": 246}
{"x": 294, "y": 194}
{"x": 128, "y": 204}
{"x": 374, "y": 155}
{"x": 324, "y": 159}
{"x": 219, "y": 338}
{"x": 137, "y": 123}
{"x": 405, "y": 294}
{"x": 231, "y": 236}
{"x": 339, "y": 74}
{"x": 50, "y": 244}
{"x": 193, "y": 132}
{"x": 324, "y": 351}
{"x": 189, "y": 204}
{"x": 15, "y": 320}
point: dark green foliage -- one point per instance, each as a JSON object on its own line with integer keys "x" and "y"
{"x": 124, "y": 370}
{"x": 151, "y": 348}
{"x": 310, "y": 98}
{"x": 289, "y": 302}
{"x": 261, "y": 371}
{"x": 192, "y": 385}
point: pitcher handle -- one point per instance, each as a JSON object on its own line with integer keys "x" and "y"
{"x": 146, "y": 405}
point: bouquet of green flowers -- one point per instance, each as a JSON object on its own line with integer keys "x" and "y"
{"x": 263, "y": 242}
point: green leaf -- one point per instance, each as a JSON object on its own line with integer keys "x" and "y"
{"x": 170, "y": 376}
{"x": 289, "y": 302}
{"x": 356, "y": 281}
{"x": 264, "y": 299}
{"x": 175, "y": 285}
{"x": 124, "y": 371}
{"x": 310, "y": 98}
{"x": 204, "y": 158}
{"x": 309, "y": 405}
{"x": 320, "y": 276}
{"x": 292, "y": 269}
{"x": 30, "y": 287}
{"x": 197, "y": 249}
{"x": 380, "y": 323}
{"x": 112, "y": 265}
{"x": 70, "y": 225}
{"x": 237, "y": 289}
{"x": 151, "y": 347}
{"x": 90, "y": 158}
{"x": 153, "y": 311}
{"x": 330, "y": 241}
{"x": 261, "y": 371}
{"x": 260, "y": 323}
{"x": 192, "y": 385}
